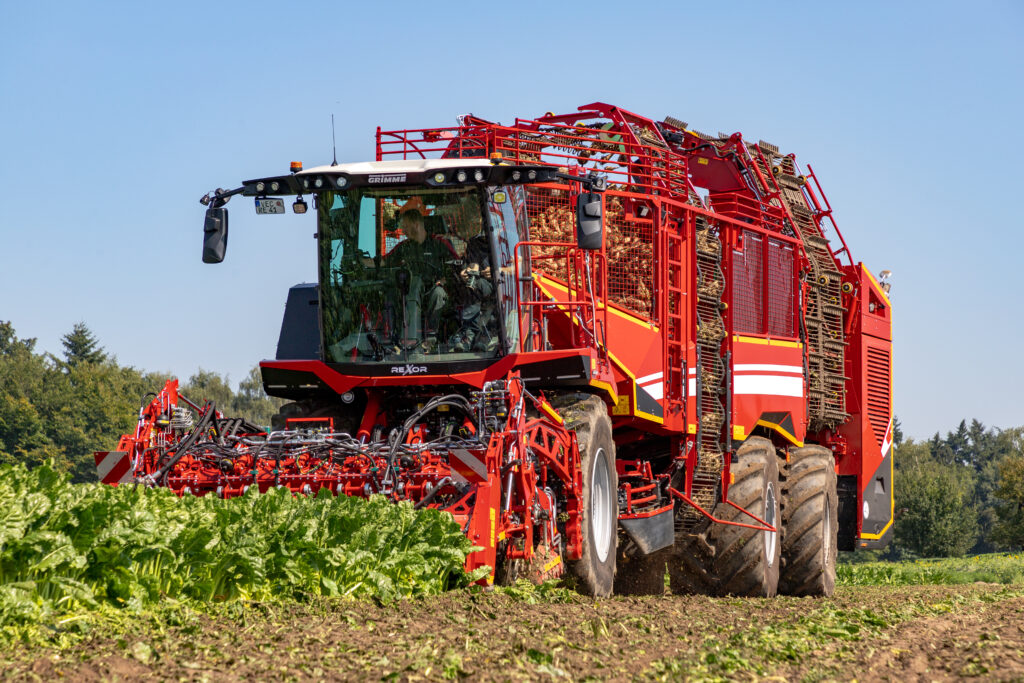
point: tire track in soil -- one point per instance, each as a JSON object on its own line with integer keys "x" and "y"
{"x": 495, "y": 637}
{"x": 986, "y": 642}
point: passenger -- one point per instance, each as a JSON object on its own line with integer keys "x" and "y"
{"x": 475, "y": 285}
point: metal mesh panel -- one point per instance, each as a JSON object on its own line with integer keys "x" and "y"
{"x": 781, "y": 297}
{"x": 551, "y": 220}
{"x": 748, "y": 285}
{"x": 630, "y": 250}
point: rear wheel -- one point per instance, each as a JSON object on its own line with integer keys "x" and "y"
{"x": 809, "y": 516}
{"x": 588, "y": 417}
{"x": 733, "y": 560}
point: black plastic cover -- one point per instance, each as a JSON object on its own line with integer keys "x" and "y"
{"x": 300, "y": 328}
{"x": 215, "y": 235}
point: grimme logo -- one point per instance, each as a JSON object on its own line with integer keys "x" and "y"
{"x": 386, "y": 178}
{"x": 408, "y": 369}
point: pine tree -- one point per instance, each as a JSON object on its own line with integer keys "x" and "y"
{"x": 81, "y": 346}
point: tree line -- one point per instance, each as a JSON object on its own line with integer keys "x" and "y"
{"x": 960, "y": 493}
{"x": 62, "y": 408}
{"x": 957, "y": 494}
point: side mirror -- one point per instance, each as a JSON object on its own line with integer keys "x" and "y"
{"x": 215, "y": 235}
{"x": 589, "y": 221}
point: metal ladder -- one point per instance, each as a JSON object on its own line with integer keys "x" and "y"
{"x": 711, "y": 375}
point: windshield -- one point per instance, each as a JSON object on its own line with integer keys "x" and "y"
{"x": 406, "y": 275}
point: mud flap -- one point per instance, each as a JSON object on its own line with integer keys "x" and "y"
{"x": 650, "y": 533}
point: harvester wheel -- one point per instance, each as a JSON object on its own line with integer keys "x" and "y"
{"x": 588, "y": 417}
{"x": 809, "y": 515}
{"x": 690, "y": 565}
{"x": 733, "y": 560}
{"x": 639, "y": 574}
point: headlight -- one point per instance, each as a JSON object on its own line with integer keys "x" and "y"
{"x": 516, "y": 175}
{"x": 478, "y": 175}
{"x": 461, "y": 176}
{"x": 319, "y": 182}
{"x": 275, "y": 186}
{"x": 531, "y": 175}
{"x": 260, "y": 187}
{"x": 305, "y": 183}
{"x": 439, "y": 177}
{"x": 341, "y": 181}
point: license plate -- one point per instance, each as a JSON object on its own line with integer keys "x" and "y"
{"x": 269, "y": 205}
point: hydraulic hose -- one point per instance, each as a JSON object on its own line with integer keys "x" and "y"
{"x": 187, "y": 442}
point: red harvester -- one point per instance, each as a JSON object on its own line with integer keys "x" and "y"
{"x": 603, "y": 343}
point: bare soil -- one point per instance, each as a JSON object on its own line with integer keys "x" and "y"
{"x": 870, "y": 633}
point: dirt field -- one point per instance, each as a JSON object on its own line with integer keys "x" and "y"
{"x": 870, "y": 633}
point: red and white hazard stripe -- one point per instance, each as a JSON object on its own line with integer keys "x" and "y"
{"x": 113, "y": 467}
{"x": 466, "y": 467}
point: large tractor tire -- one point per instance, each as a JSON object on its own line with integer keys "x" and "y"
{"x": 809, "y": 519}
{"x": 691, "y": 565}
{"x": 588, "y": 417}
{"x": 732, "y": 560}
{"x": 639, "y": 574}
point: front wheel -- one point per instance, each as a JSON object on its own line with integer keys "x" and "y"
{"x": 588, "y": 417}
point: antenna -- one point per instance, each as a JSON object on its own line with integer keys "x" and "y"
{"x": 334, "y": 145}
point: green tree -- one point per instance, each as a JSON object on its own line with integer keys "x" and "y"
{"x": 1008, "y": 529}
{"x": 940, "y": 519}
{"x": 252, "y": 402}
{"x": 23, "y": 375}
{"x": 897, "y": 431}
{"x": 205, "y": 385}
{"x": 81, "y": 346}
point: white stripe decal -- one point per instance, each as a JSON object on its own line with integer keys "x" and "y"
{"x": 691, "y": 386}
{"x": 471, "y": 462}
{"x": 766, "y": 367}
{"x": 771, "y": 385}
{"x": 649, "y": 378}
{"x": 887, "y": 439}
{"x": 655, "y": 391}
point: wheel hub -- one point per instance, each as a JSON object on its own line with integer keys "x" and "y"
{"x": 600, "y": 505}
{"x": 770, "y": 537}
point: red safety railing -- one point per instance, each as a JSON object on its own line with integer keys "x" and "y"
{"x": 582, "y": 274}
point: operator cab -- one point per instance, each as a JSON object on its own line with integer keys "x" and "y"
{"x": 416, "y": 258}
{"x": 414, "y": 274}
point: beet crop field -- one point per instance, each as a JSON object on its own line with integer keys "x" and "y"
{"x": 106, "y": 584}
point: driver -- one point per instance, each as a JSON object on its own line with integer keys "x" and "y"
{"x": 423, "y": 258}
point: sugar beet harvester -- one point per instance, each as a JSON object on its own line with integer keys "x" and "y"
{"x": 604, "y": 344}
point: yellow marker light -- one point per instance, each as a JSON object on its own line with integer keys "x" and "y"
{"x": 495, "y": 157}
{"x": 296, "y": 166}
{"x": 499, "y": 197}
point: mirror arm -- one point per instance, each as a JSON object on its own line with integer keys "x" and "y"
{"x": 592, "y": 182}
{"x": 218, "y": 198}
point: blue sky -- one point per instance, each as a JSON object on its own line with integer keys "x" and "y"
{"x": 116, "y": 117}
